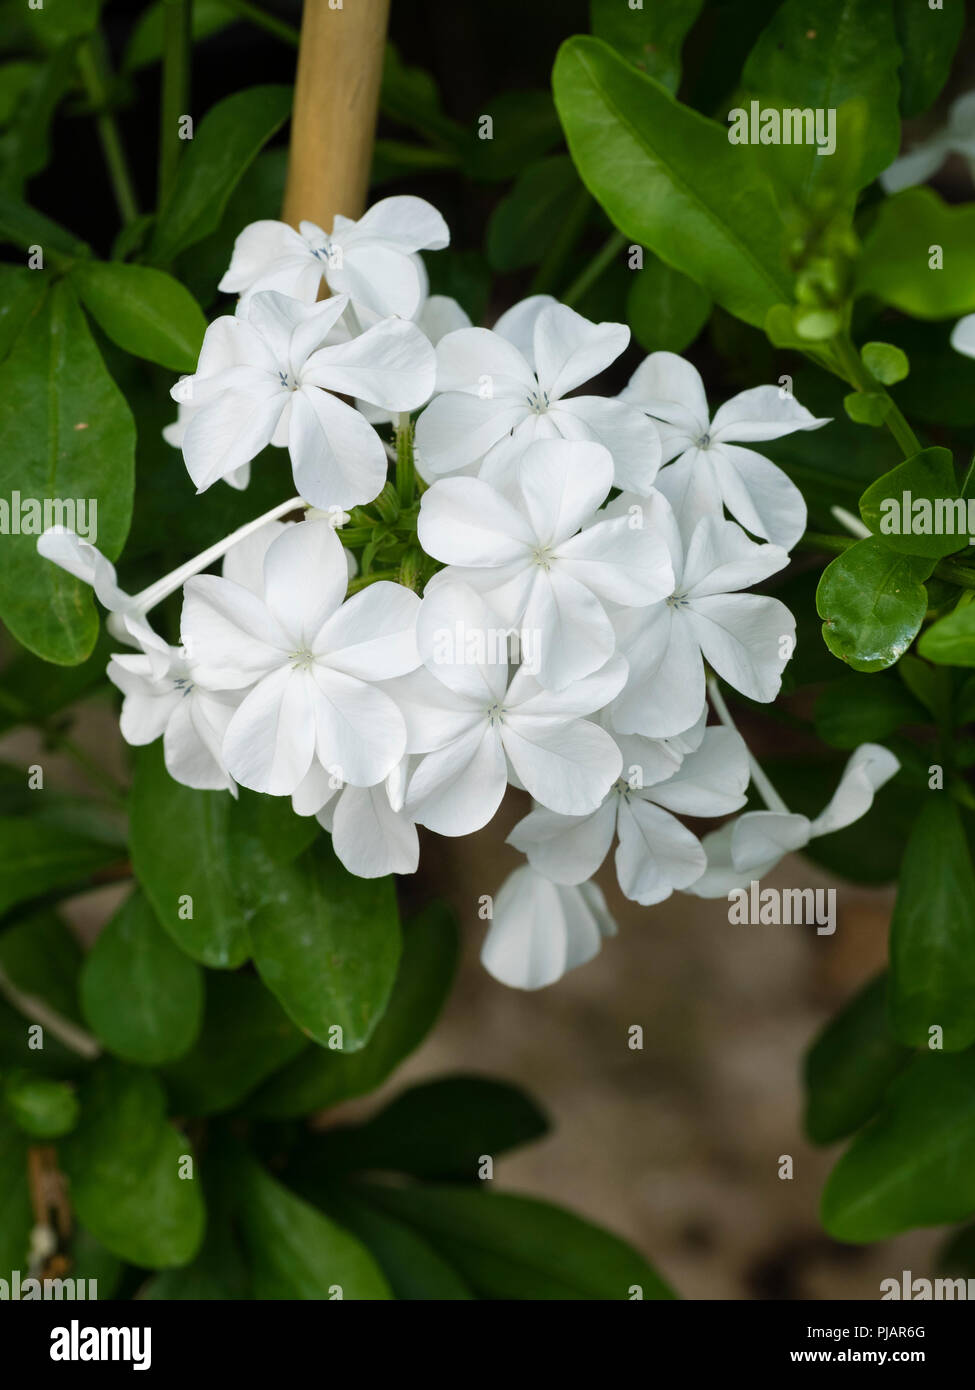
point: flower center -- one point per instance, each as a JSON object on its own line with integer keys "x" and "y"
{"x": 184, "y": 684}
{"x": 542, "y": 555}
{"x": 323, "y": 252}
{"x": 495, "y": 713}
{"x": 705, "y": 441}
{"x": 538, "y": 401}
{"x": 678, "y": 600}
{"x": 287, "y": 380}
{"x": 301, "y": 660}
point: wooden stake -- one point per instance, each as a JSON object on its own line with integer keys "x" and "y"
{"x": 336, "y": 100}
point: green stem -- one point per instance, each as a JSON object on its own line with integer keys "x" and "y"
{"x": 95, "y": 74}
{"x": 611, "y": 248}
{"x": 177, "y": 43}
{"x": 278, "y": 27}
{"x": 362, "y": 580}
{"x": 858, "y": 376}
{"x": 549, "y": 272}
{"x": 405, "y": 466}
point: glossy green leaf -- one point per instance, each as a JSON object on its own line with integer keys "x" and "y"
{"x": 915, "y": 508}
{"x": 850, "y": 1065}
{"x": 42, "y": 1108}
{"x": 439, "y": 1129}
{"x": 413, "y": 1268}
{"x": 145, "y": 311}
{"x": 246, "y": 1036}
{"x": 951, "y": 640}
{"x": 932, "y": 932}
{"x": 873, "y": 602}
{"x": 912, "y": 1166}
{"x": 928, "y": 36}
{"x": 866, "y": 407}
{"x": 321, "y": 1077}
{"x": 66, "y": 434}
{"x": 664, "y": 308}
{"x": 295, "y": 1251}
{"x": 124, "y": 1161}
{"x": 140, "y": 994}
{"x": 225, "y": 143}
{"x": 519, "y": 231}
{"x": 22, "y": 292}
{"x": 37, "y": 858}
{"x": 519, "y": 1248}
{"x": 43, "y": 958}
{"x": 650, "y": 36}
{"x": 899, "y": 267}
{"x": 838, "y": 57}
{"x": 327, "y": 944}
{"x": 669, "y": 179}
{"x": 206, "y": 861}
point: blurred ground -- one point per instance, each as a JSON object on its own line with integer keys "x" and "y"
{"x": 675, "y": 1147}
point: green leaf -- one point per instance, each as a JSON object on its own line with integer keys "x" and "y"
{"x": 206, "y": 861}
{"x": 931, "y": 686}
{"x": 932, "y": 932}
{"x": 22, "y": 292}
{"x": 873, "y": 602}
{"x": 43, "y": 958}
{"x": 321, "y": 1078}
{"x": 669, "y": 179}
{"x": 951, "y": 640}
{"x": 409, "y": 96}
{"x": 912, "y": 1166}
{"x": 146, "y": 44}
{"x": 850, "y": 1065}
{"x": 864, "y": 709}
{"x": 885, "y": 362}
{"x": 650, "y": 38}
{"x": 896, "y": 261}
{"x": 156, "y": 1016}
{"x": 839, "y": 56}
{"x": 296, "y": 1252}
{"x": 146, "y": 312}
{"x": 520, "y": 228}
{"x": 524, "y": 127}
{"x": 519, "y": 1248}
{"x": 928, "y": 37}
{"x": 56, "y": 21}
{"x": 16, "y": 1215}
{"x": 24, "y": 226}
{"x": 866, "y": 407}
{"x": 246, "y": 1036}
{"x": 925, "y": 485}
{"x": 327, "y": 944}
{"x": 123, "y": 1162}
{"x": 33, "y": 690}
{"x": 37, "y": 858}
{"x": 438, "y": 1129}
{"x": 66, "y": 434}
{"x": 665, "y": 310}
{"x": 413, "y": 1268}
{"x": 41, "y": 1108}
{"x": 228, "y": 139}
{"x": 25, "y": 146}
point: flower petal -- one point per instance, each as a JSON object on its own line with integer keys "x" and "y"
{"x": 711, "y": 781}
{"x": 232, "y": 428}
{"x": 760, "y": 496}
{"x": 373, "y": 635}
{"x": 566, "y": 849}
{"x": 337, "y": 457}
{"x": 569, "y": 349}
{"x": 391, "y": 365}
{"x": 762, "y": 412}
{"x": 305, "y": 579}
{"x": 540, "y": 930}
{"x": 655, "y": 854}
{"x": 562, "y": 483}
{"x": 457, "y": 428}
{"x": 631, "y": 438}
{"x": 360, "y": 733}
{"x": 670, "y": 388}
{"x": 370, "y": 838}
{"x": 270, "y": 740}
{"x": 457, "y": 789}
{"x": 619, "y": 562}
{"x": 568, "y": 767}
{"x": 228, "y": 634}
{"x": 747, "y": 638}
{"x": 464, "y": 521}
{"x": 867, "y": 770}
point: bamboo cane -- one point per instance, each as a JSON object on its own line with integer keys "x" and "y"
{"x": 334, "y": 118}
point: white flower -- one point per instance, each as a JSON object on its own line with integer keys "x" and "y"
{"x": 493, "y": 401}
{"x": 371, "y": 833}
{"x": 463, "y": 714}
{"x": 925, "y": 159}
{"x": 437, "y": 316}
{"x": 372, "y": 260}
{"x": 264, "y": 379}
{"x": 655, "y": 854}
{"x": 708, "y": 469}
{"x": 532, "y": 562}
{"x": 750, "y": 846}
{"x": 539, "y": 930}
{"x": 86, "y": 562}
{"x": 747, "y": 638}
{"x": 175, "y": 432}
{"x": 309, "y": 658}
{"x": 963, "y": 336}
{"x": 191, "y": 720}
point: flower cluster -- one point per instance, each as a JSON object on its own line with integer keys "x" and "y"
{"x": 542, "y": 594}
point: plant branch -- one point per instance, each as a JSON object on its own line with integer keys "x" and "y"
{"x": 603, "y": 258}
{"x": 280, "y": 28}
{"x": 93, "y": 66}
